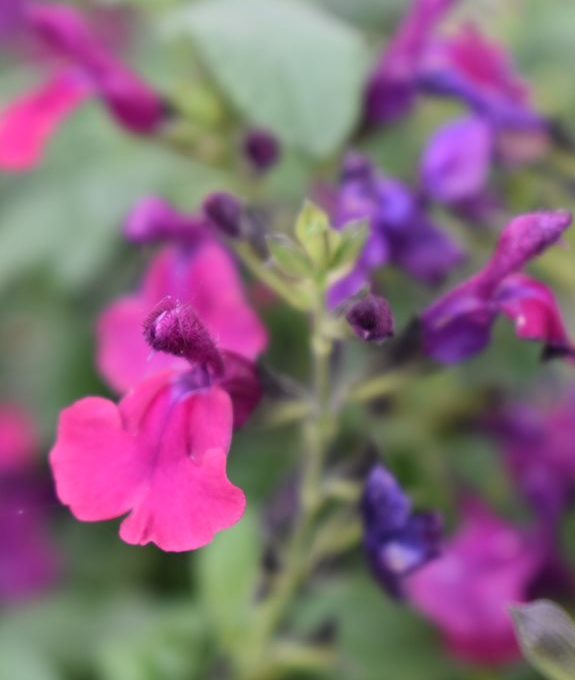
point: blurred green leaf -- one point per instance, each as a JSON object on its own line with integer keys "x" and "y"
{"x": 227, "y": 576}
{"x": 284, "y": 64}
{"x": 290, "y": 258}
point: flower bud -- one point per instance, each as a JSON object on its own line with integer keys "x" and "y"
{"x": 262, "y": 150}
{"x": 175, "y": 329}
{"x": 372, "y": 319}
{"x": 224, "y": 212}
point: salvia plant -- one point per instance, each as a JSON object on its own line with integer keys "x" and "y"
{"x": 325, "y": 360}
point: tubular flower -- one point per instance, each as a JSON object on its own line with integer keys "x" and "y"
{"x": 83, "y": 68}
{"x": 401, "y": 232}
{"x": 397, "y": 541}
{"x": 466, "y": 592}
{"x": 28, "y": 562}
{"x": 159, "y": 456}
{"x": 198, "y": 273}
{"x": 459, "y": 325}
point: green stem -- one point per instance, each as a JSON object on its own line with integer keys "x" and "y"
{"x": 295, "y": 568}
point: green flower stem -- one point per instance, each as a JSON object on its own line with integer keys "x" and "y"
{"x": 318, "y": 429}
{"x": 381, "y": 386}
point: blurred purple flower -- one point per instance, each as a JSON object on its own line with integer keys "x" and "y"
{"x": 401, "y": 232}
{"x": 154, "y": 220}
{"x": 457, "y": 161}
{"x": 397, "y": 541}
{"x": 459, "y": 325}
{"x": 392, "y": 89}
{"x": 538, "y": 446}
{"x": 28, "y": 562}
{"x": 488, "y": 565}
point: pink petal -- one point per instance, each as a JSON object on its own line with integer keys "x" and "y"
{"x": 188, "y": 498}
{"x": 28, "y": 124}
{"x": 532, "y": 307}
{"x": 212, "y": 286}
{"x": 160, "y": 456}
{"x": 95, "y": 462}
{"x": 205, "y": 279}
{"x": 124, "y": 358}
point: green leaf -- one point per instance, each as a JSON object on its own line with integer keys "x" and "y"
{"x": 315, "y": 234}
{"x": 353, "y": 240}
{"x": 284, "y": 65}
{"x": 227, "y": 573}
{"x": 547, "y": 638}
{"x": 290, "y": 258}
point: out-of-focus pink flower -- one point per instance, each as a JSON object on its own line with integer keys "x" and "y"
{"x": 466, "y": 592}
{"x": 29, "y": 123}
{"x": 28, "y": 562}
{"x": 158, "y": 457}
{"x": 459, "y": 325}
{"x": 83, "y": 67}
{"x": 204, "y": 278}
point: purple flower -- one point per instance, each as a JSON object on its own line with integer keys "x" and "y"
{"x": 401, "y": 232}
{"x": 261, "y": 149}
{"x": 457, "y": 161}
{"x": 538, "y": 451}
{"x": 224, "y": 213}
{"x": 28, "y": 561}
{"x": 392, "y": 89}
{"x": 154, "y": 220}
{"x": 459, "y": 325}
{"x": 371, "y": 319}
{"x": 397, "y": 541}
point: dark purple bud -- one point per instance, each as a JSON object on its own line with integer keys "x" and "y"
{"x": 372, "y": 319}
{"x": 175, "y": 329}
{"x": 241, "y": 381}
{"x": 153, "y": 220}
{"x": 261, "y": 149}
{"x": 397, "y": 541}
{"x": 225, "y": 212}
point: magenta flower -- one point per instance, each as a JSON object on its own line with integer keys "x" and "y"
{"x": 83, "y": 67}
{"x": 28, "y": 562}
{"x": 198, "y": 273}
{"x": 466, "y": 592}
{"x": 159, "y": 456}
{"x": 459, "y": 325}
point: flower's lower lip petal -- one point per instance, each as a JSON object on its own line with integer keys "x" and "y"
{"x": 95, "y": 462}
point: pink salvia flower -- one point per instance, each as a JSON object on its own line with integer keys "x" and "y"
{"x": 158, "y": 457}
{"x": 18, "y": 438}
{"x": 466, "y": 592}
